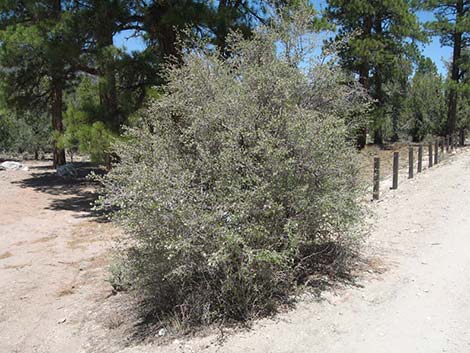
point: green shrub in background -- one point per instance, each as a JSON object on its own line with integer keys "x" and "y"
{"x": 23, "y": 133}
{"x": 425, "y": 111}
{"x": 87, "y": 130}
{"x": 239, "y": 178}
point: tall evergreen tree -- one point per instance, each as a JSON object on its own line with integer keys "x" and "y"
{"x": 424, "y": 110}
{"x": 39, "y": 48}
{"x": 377, "y": 35}
{"x": 463, "y": 107}
{"x": 452, "y": 24}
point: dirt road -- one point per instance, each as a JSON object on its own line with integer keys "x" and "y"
{"x": 414, "y": 300}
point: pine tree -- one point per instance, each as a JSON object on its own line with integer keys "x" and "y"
{"x": 452, "y": 24}
{"x": 375, "y": 33}
{"x": 425, "y": 109}
{"x": 39, "y": 48}
{"x": 463, "y": 107}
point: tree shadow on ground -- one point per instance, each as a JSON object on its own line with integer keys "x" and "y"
{"x": 45, "y": 167}
{"x": 71, "y": 194}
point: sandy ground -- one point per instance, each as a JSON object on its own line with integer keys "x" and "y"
{"x": 52, "y": 263}
{"x": 415, "y": 297}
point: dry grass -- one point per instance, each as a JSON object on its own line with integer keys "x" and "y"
{"x": 92, "y": 232}
{"x": 16, "y": 267}
{"x": 67, "y": 291}
{"x": 44, "y": 239}
{"x": 366, "y": 159}
{"x": 5, "y": 255}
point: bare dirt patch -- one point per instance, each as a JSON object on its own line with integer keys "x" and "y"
{"x": 53, "y": 256}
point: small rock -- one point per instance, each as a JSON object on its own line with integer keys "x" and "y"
{"x": 62, "y": 321}
{"x": 11, "y": 165}
{"x": 162, "y": 332}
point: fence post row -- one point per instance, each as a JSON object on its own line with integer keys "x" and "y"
{"x": 410, "y": 162}
{"x": 430, "y": 154}
{"x": 395, "y": 171}
{"x": 420, "y": 158}
{"x": 376, "y": 192}
{"x": 449, "y": 142}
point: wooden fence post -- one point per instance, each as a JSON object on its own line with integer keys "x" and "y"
{"x": 462, "y": 137}
{"x": 376, "y": 192}
{"x": 410, "y": 162}
{"x": 441, "y": 142}
{"x": 436, "y": 152}
{"x": 420, "y": 158}
{"x": 430, "y": 154}
{"x": 395, "y": 171}
{"x": 447, "y": 143}
{"x": 451, "y": 142}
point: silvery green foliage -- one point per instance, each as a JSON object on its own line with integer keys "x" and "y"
{"x": 237, "y": 178}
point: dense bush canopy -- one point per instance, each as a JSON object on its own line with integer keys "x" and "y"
{"x": 239, "y": 178}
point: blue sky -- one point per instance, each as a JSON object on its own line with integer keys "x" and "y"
{"x": 434, "y": 50}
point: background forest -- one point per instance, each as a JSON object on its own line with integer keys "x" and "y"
{"x": 66, "y": 86}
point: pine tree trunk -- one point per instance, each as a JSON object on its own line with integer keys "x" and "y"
{"x": 395, "y": 120}
{"x": 222, "y": 28}
{"x": 378, "y": 137}
{"x": 379, "y": 94}
{"x": 56, "y": 102}
{"x": 163, "y": 32}
{"x": 364, "y": 68}
{"x": 107, "y": 86}
{"x": 57, "y": 125}
{"x": 455, "y": 72}
{"x": 361, "y": 138}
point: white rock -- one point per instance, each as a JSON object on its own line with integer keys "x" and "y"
{"x": 10, "y": 165}
{"x": 162, "y": 332}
